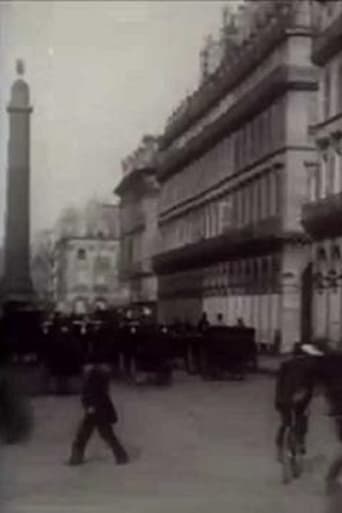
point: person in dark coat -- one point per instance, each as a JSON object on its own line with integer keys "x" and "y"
{"x": 203, "y": 323}
{"x": 99, "y": 414}
{"x": 331, "y": 378}
{"x": 294, "y": 390}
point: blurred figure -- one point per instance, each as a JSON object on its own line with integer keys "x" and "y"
{"x": 16, "y": 419}
{"x": 294, "y": 390}
{"x": 203, "y": 323}
{"x": 219, "y": 320}
{"x": 240, "y": 322}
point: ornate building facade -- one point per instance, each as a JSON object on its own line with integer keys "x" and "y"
{"x": 86, "y": 259}
{"x": 233, "y": 179}
{"x": 322, "y": 213}
{"x": 138, "y": 191}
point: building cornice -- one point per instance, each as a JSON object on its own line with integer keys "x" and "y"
{"x": 275, "y": 84}
{"x": 137, "y": 228}
{"x": 84, "y": 238}
{"x": 323, "y": 124}
{"x": 133, "y": 180}
{"x": 327, "y": 43}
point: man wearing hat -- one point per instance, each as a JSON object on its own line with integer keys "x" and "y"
{"x": 294, "y": 390}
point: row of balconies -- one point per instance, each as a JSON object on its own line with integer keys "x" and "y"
{"x": 275, "y": 84}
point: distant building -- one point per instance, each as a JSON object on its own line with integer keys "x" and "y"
{"x": 42, "y": 267}
{"x": 138, "y": 192}
{"x": 86, "y": 256}
{"x": 233, "y": 180}
{"x": 323, "y": 212}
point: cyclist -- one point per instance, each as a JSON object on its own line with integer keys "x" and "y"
{"x": 294, "y": 390}
{"x": 331, "y": 375}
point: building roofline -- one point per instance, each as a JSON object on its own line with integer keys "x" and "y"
{"x": 133, "y": 178}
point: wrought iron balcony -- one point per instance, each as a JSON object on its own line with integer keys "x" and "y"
{"x": 322, "y": 218}
{"x": 253, "y": 239}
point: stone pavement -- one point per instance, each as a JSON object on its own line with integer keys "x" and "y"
{"x": 195, "y": 447}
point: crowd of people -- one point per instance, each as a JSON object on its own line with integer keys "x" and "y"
{"x": 62, "y": 345}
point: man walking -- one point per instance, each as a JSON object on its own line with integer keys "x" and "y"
{"x": 99, "y": 414}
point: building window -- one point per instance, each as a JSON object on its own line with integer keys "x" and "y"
{"x": 236, "y": 152}
{"x": 259, "y": 198}
{"x": 322, "y": 182}
{"x": 272, "y": 193}
{"x": 261, "y": 135}
{"x": 269, "y": 119}
{"x": 238, "y": 195}
{"x": 81, "y": 254}
{"x": 339, "y": 89}
{"x": 248, "y": 143}
{"x": 248, "y": 193}
{"x": 101, "y": 270}
{"x": 225, "y": 215}
{"x": 251, "y": 201}
{"x": 279, "y": 189}
{"x": 244, "y": 146}
{"x": 267, "y": 194}
{"x": 331, "y": 178}
{"x": 252, "y": 138}
{"x": 326, "y": 94}
{"x": 242, "y": 204}
{"x": 254, "y": 186}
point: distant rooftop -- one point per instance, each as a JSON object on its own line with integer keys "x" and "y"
{"x": 96, "y": 220}
{"x": 143, "y": 157}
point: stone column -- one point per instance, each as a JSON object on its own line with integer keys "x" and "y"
{"x": 312, "y": 170}
{"x": 337, "y": 145}
{"x": 293, "y": 260}
{"x": 18, "y": 286}
{"x": 323, "y": 149}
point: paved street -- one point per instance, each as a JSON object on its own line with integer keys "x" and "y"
{"x": 197, "y": 446}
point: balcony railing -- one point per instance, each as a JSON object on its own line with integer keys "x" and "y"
{"x": 252, "y": 240}
{"x": 322, "y": 218}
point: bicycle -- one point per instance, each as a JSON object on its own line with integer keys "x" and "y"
{"x": 292, "y": 453}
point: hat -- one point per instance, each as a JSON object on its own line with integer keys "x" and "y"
{"x": 311, "y": 350}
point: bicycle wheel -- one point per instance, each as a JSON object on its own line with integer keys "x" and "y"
{"x": 287, "y": 456}
{"x": 334, "y": 472}
{"x": 297, "y": 458}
